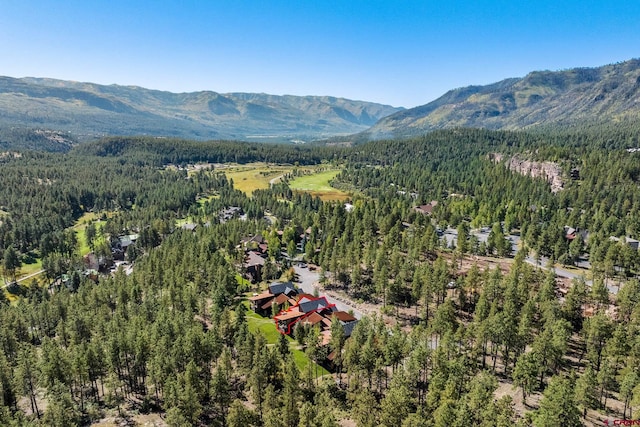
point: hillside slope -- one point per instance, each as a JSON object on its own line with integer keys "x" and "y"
{"x": 89, "y": 110}
{"x": 570, "y": 97}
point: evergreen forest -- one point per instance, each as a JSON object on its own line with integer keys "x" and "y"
{"x": 505, "y": 304}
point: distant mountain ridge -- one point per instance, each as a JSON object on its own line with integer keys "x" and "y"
{"x": 89, "y": 110}
{"x": 542, "y": 98}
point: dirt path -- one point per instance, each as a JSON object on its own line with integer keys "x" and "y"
{"x": 6, "y": 285}
{"x": 274, "y": 180}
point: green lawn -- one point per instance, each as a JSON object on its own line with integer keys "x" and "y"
{"x": 254, "y": 176}
{"x": 32, "y": 267}
{"x": 315, "y": 182}
{"x": 83, "y": 245}
{"x": 202, "y": 200}
{"x": 318, "y": 185}
{"x": 267, "y": 328}
{"x": 265, "y": 325}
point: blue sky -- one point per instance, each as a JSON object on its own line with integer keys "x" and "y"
{"x": 403, "y": 53}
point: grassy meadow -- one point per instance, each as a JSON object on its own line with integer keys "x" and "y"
{"x": 317, "y": 184}
{"x": 256, "y": 176}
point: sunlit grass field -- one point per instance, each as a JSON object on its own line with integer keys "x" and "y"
{"x": 317, "y": 184}
{"x": 255, "y": 176}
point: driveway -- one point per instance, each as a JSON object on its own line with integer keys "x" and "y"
{"x": 309, "y": 280}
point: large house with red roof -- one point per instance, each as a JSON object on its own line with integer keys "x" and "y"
{"x": 314, "y": 311}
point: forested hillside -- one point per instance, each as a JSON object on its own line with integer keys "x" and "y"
{"x": 462, "y": 331}
{"x": 566, "y": 98}
{"x": 90, "y": 111}
{"x": 16, "y": 138}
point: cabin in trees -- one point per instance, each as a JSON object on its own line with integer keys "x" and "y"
{"x": 256, "y": 250}
{"x": 230, "y": 213}
{"x": 253, "y": 264}
{"x": 311, "y": 312}
{"x": 314, "y": 311}
{"x": 120, "y": 244}
{"x": 632, "y": 243}
{"x": 571, "y": 233}
{"x": 305, "y": 307}
{"x": 248, "y": 242}
{"x": 189, "y": 226}
{"x": 275, "y": 298}
{"x": 426, "y": 209}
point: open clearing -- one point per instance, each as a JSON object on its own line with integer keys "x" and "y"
{"x": 81, "y": 225}
{"x": 317, "y": 184}
{"x": 259, "y": 176}
{"x": 255, "y": 176}
{"x": 32, "y": 263}
{"x": 268, "y": 329}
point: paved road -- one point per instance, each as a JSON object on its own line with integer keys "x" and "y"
{"x": 451, "y": 235}
{"x": 308, "y": 280}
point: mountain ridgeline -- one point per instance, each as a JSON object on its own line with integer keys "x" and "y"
{"x": 565, "y": 99}
{"x": 575, "y": 99}
{"x": 90, "y": 110}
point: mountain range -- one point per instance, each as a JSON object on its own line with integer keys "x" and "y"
{"x": 566, "y": 98}
{"x": 542, "y": 98}
{"x": 88, "y": 110}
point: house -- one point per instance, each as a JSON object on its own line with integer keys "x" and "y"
{"x": 569, "y": 232}
{"x": 278, "y": 304}
{"x": 120, "y": 244}
{"x": 314, "y": 319}
{"x": 248, "y": 241}
{"x": 305, "y": 307}
{"x": 347, "y": 327}
{"x": 230, "y": 213}
{"x": 258, "y": 300}
{"x": 426, "y": 209}
{"x": 253, "y": 265}
{"x": 287, "y": 288}
{"x": 278, "y": 294}
{"x": 123, "y": 242}
{"x": 303, "y": 295}
{"x": 632, "y": 243}
{"x": 343, "y": 317}
{"x": 189, "y": 226}
{"x": 325, "y": 336}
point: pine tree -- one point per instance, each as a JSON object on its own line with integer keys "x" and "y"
{"x": 240, "y": 416}
{"x": 11, "y": 263}
{"x": 397, "y": 403}
{"x": 586, "y": 387}
{"x": 557, "y": 406}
